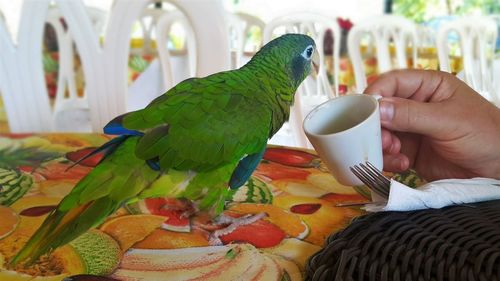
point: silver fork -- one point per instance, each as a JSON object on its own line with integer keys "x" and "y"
{"x": 373, "y": 178}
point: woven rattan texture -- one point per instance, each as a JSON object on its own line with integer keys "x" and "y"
{"x": 453, "y": 243}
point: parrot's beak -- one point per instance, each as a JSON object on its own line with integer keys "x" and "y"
{"x": 315, "y": 64}
{"x": 315, "y": 61}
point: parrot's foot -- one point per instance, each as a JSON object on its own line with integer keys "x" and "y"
{"x": 232, "y": 224}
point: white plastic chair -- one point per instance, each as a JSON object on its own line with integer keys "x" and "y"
{"x": 313, "y": 91}
{"x": 168, "y": 69}
{"x": 384, "y": 30}
{"x": 163, "y": 27}
{"x": 239, "y": 26}
{"x": 105, "y": 63}
{"x": 110, "y": 60}
{"x": 426, "y": 37}
{"x": 70, "y": 112}
{"x": 147, "y": 23}
{"x": 21, "y": 71}
{"x": 477, "y": 40}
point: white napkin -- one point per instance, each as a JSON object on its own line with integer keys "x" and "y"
{"x": 438, "y": 194}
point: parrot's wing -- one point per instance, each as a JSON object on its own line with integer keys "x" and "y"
{"x": 117, "y": 126}
{"x": 200, "y": 124}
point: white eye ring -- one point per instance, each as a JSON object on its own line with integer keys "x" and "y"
{"x": 308, "y": 52}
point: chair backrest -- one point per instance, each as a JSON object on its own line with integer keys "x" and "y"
{"x": 171, "y": 66}
{"x": 477, "y": 39}
{"x": 314, "y": 90}
{"x": 104, "y": 62}
{"x": 111, "y": 59}
{"x": 426, "y": 37}
{"x": 21, "y": 71}
{"x": 383, "y": 30}
{"x": 71, "y": 110}
{"x": 147, "y": 23}
{"x": 163, "y": 27}
{"x": 240, "y": 26}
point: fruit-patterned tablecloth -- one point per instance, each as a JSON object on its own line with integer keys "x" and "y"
{"x": 268, "y": 230}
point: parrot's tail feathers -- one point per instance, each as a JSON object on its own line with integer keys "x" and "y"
{"x": 106, "y": 148}
{"x": 43, "y": 240}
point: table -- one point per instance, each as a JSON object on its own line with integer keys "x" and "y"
{"x": 292, "y": 187}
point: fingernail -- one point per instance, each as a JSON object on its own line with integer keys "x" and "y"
{"x": 405, "y": 164}
{"x": 396, "y": 164}
{"x": 386, "y": 110}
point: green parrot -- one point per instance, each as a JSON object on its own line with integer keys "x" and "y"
{"x": 197, "y": 141}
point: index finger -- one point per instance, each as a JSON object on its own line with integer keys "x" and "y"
{"x": 418, "y": 85}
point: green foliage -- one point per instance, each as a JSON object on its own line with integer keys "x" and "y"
{"x": 424, "y": 10}
{"x": 416, "y": 10}
{"x": 484, "y": 6}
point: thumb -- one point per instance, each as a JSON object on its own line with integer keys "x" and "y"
{"x": 404, "y": 115}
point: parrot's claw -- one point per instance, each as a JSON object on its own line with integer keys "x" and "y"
{"x": 232, "y": 224}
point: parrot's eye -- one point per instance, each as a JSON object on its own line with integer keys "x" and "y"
{"x": 308, "y": 52}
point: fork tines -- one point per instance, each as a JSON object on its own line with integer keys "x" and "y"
{"x": 373, "y": 178}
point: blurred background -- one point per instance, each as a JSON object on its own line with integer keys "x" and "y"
{"x": 73, "y": 65}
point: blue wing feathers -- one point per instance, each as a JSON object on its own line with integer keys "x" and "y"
{"x": 154, "y": 164}
{"x": 245, "y": 168}
{"x": 115, "y": 127}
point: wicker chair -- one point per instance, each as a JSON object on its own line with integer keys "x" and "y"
{"x": 454, "y": 243}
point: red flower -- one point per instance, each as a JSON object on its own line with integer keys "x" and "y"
{"x": 342, "y": 89}
{"x": 345, "y": 24}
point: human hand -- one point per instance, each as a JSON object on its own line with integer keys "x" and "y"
{"x": 436, "y": 124}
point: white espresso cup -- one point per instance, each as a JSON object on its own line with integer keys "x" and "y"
{"x": 345, "y": 131}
